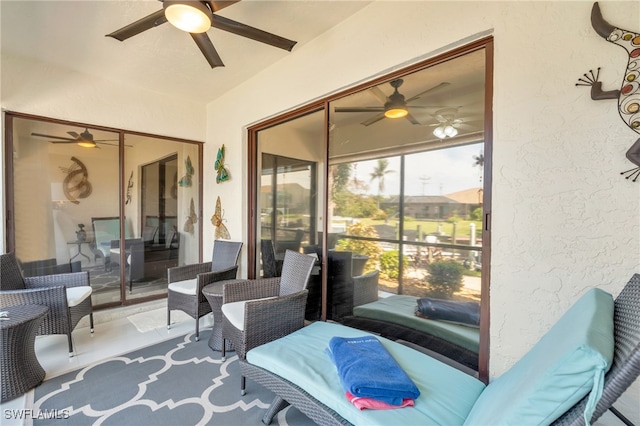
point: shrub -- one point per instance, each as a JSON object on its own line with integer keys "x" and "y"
{"x": 363, "y": 247}
{"x": 389, "y": 264}
{"x": 444, "y": 279}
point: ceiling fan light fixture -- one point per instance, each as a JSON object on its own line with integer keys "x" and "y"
{"x": 445, "y": 131}
{"x": 450, "y": 131}
{"x": 397, "y": 112}
{"x": 189, "y": 16}
{"x": 396, "y": 107}
{"x": 87, "y": 144}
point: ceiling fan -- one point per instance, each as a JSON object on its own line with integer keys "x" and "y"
{"x": 196, "y": 17}
{"x": 394, "y": 106}
{"x": 447, "y": 126}
{"x": 84, "y": 139}
{"x": 448, "y": 123}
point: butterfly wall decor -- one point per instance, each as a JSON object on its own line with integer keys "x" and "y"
{"x": 185, "y": 181}
{"x": 192, "y": 218}
{"x": 221, "y": 231}
{"x": 223, "y": 173}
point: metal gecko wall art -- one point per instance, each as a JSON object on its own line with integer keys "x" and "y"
{"x": 629, "y": 94}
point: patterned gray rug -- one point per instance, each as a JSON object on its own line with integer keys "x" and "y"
{"x": 177, "y": 382}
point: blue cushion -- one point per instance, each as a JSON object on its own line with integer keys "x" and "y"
{"x": 569, "y": 361}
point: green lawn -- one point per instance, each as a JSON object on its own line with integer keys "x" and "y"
{"x": 462, "y": 228}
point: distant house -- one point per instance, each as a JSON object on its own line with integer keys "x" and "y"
{"x": 292, "y": 198}
{"x": 437, "y": 207}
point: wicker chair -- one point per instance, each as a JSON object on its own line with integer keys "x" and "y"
{"x": 259, "y": 311}
{"x": 269, "y": 263}
{"x": 68, "y": 296}
{"x": 186, "y": 282}
{"x": 365, "y": 288}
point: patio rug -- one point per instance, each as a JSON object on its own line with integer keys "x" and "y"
{"x": 176, "y": 382}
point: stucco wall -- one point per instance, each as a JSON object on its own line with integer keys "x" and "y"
{"x": 563, "y": 218}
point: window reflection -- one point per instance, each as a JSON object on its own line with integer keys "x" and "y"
{"x": 406, "y": 208}
{"x": 67, "y": 206}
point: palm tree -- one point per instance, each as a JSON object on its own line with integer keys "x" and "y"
{"x": 378, "y": 173}
{"x": 479, "y": 162}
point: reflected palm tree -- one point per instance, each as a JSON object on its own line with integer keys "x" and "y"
{"x": 479, "y": 161}
{"x": 379, "y": 173}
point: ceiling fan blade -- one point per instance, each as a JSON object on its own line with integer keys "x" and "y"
{"x": 419, "y": 95}
{"x": 52, "y": 137}
{"x": 243, "y": 30}
{"x": 74, "y": 134}
{"x": 359, "y": 109}
{"x": 207, "y": 49}
{"x": 427, "y": 106}
{"x": 146, "y": 23}
{"x": 219, "y": 5}
{"x": 373, "y": 119}
{"x": 106, "y": 140}
{"x": 69, "y": 141}
{"x": 379, "y": 94}
{"x": 412, "y": 119}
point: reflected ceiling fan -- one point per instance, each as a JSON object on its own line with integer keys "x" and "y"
{"x": 196, "y": 17}
{"x": 395, "y": 105}
{"x": 448, "y": 123}
{"x": 84, "y": 139}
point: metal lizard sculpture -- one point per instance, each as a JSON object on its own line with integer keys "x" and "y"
{"x": 629, "y": 94}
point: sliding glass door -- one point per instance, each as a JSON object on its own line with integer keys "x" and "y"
{"x": 123, "y": 206}
{"x": 290, "y": 210}
{"x": 404, "y": 206}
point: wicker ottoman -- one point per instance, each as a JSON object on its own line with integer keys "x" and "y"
{"x": 19, "y": 366}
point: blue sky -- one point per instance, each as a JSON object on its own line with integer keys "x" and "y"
{"x": 429, "y": 173}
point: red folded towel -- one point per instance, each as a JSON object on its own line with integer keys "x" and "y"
{"x": 374, "y": 404}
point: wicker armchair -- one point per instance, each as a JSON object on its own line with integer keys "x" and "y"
{"x": 186, "y": 282}
{"x": 67, "y": 295}
{"x": 365, "y": 288}
{"x": 259, "y": 311}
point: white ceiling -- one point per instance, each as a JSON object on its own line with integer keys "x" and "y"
{"x": 163, "y": 59}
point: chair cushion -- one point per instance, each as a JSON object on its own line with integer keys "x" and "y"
{"x": 234, "y": 312}
{"x": 569, "y": 361}
{"x": 76, "y": 295}
{"x": 185, "y": 287}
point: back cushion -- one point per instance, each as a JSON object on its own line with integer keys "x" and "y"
{"x": 569, "y": 361}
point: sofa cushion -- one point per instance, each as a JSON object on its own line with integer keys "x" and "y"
{"x": 446, "y": 394}
{"x": 569, "y": 361}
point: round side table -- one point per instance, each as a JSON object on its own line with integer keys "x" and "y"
{"x": 19, "y": 365}
{"x": 213, "y": 293}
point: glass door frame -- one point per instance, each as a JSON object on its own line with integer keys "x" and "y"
{"x": 9, "y": 188}
{"x": 485, "y": 43}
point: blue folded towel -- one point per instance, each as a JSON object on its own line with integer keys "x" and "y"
{"x": 368, "y": 370}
